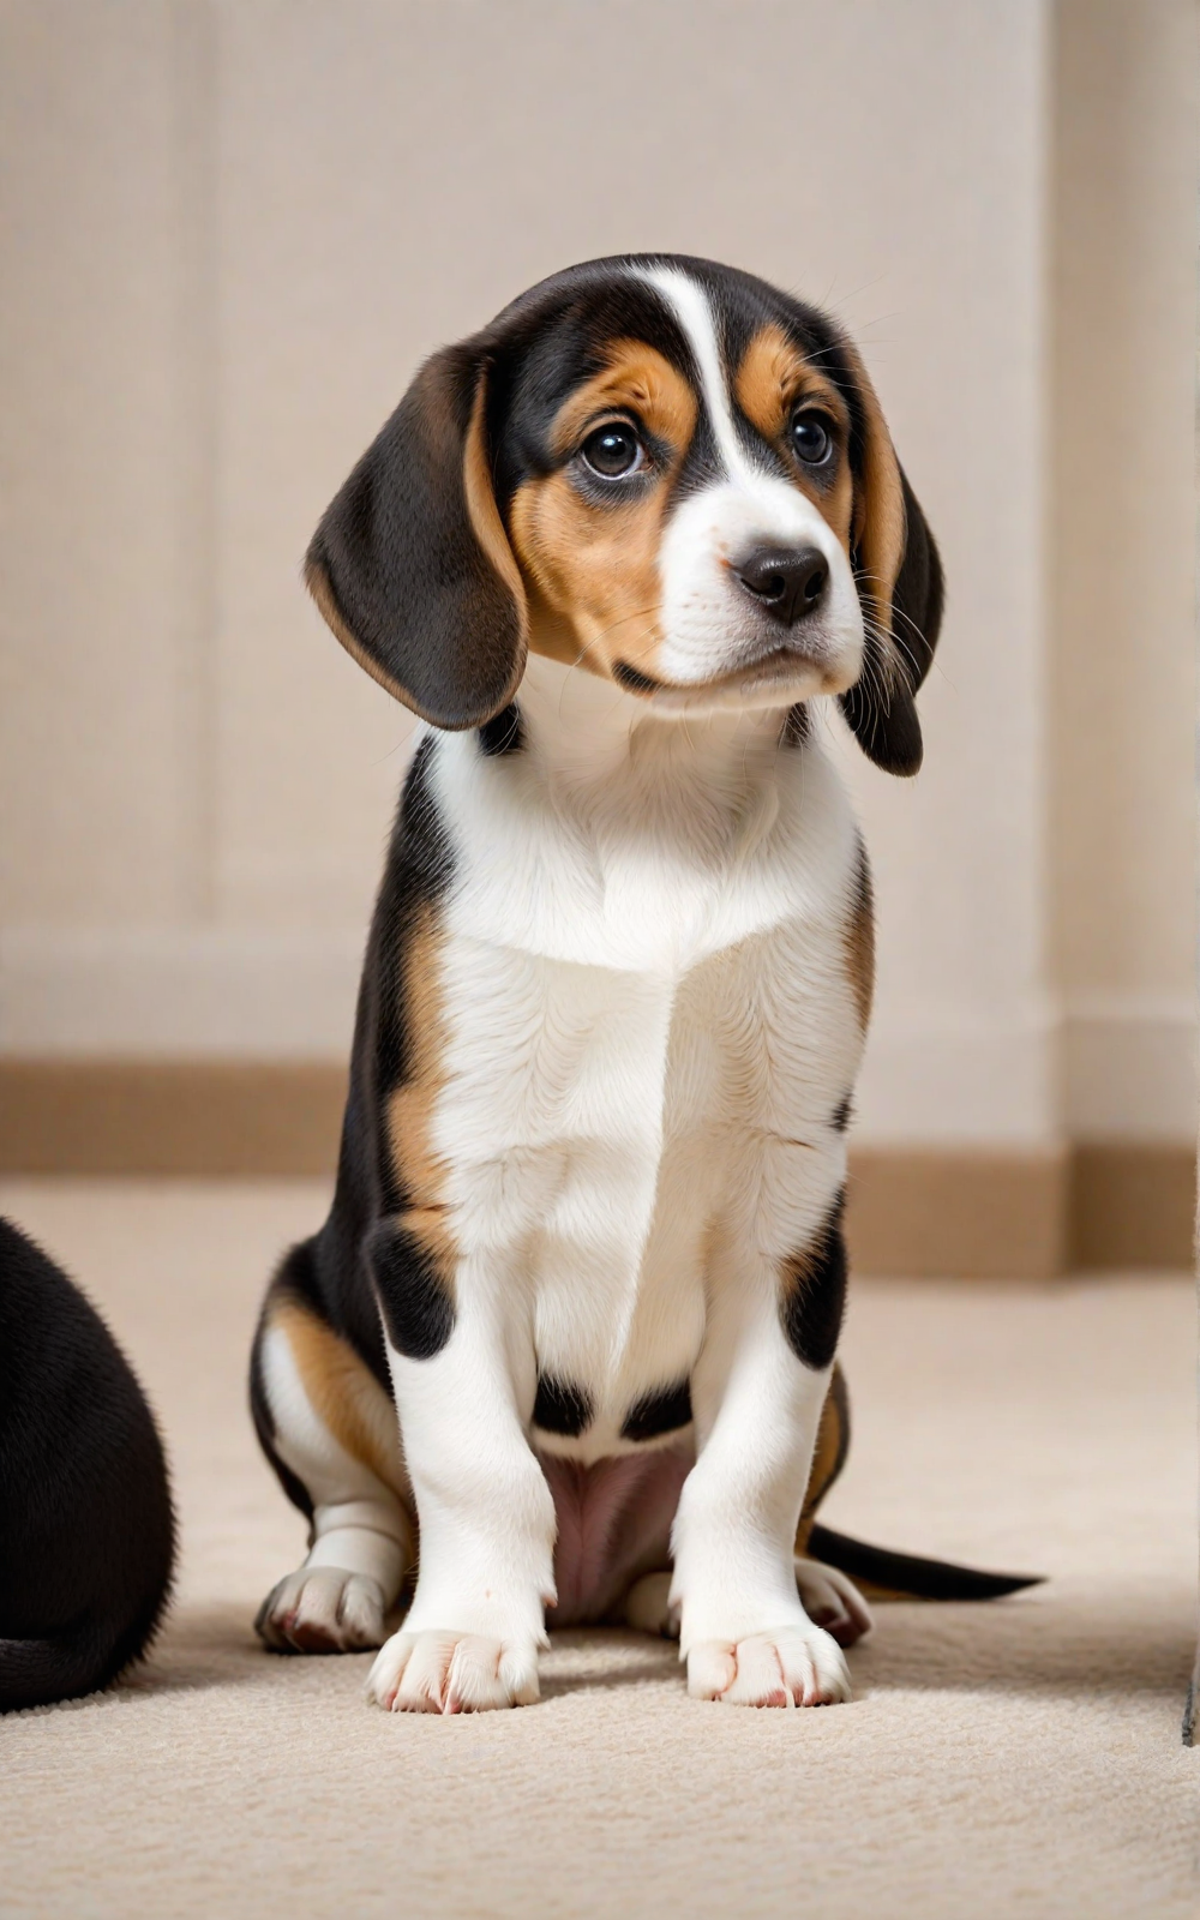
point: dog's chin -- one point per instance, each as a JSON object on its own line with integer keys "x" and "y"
{"x": 782, "y": 678}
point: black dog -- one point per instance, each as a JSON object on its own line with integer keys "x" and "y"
{"x": 87, "y": 1533}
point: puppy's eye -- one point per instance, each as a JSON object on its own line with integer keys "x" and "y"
{"x": 812, "y": 439}
{"x": 613, "y": 451}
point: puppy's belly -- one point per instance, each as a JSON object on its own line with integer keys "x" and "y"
{"x": 614, "y": 1524}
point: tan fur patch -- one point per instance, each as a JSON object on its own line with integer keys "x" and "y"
{"x": 593, "y": 570}
{"x": 343, "y": 1393}
{"x": 484, "y": 514}
{"x": 833, "y": 1442}
{"x": 420, "y": 1172}
{"x": 860, "y": 942}
{"x": 879, "y": 517}
{"x": 773, "y": 379}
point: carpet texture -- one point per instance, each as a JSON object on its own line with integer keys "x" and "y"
{"x": 1017, "y": 1758}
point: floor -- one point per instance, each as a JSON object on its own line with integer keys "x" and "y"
{"x": 1018, "y": 1758}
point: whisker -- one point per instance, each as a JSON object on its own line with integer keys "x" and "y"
{"x": 897, "y": 639}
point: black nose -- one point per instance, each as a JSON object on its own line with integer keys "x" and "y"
{"x": 787, "y": 585}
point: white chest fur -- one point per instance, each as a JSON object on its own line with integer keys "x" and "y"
{"x": 649, "y": 1023}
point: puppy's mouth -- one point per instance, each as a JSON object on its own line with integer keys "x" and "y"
{"x": 787, "y": 672}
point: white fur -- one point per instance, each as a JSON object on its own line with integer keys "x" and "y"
{"x": 649, "y": 1028}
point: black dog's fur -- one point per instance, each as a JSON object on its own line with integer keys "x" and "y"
{"x": 87, "y": 1532}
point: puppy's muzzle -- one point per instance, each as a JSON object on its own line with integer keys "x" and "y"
{"x": 787, "y": 585}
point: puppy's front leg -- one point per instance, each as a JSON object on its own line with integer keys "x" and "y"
{"x": 744, "y": 1632}
{"x": 486, "y": 1524}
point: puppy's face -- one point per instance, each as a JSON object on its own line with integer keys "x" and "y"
{"x": 660, "y": 470}
{"x": 682, "y": 511}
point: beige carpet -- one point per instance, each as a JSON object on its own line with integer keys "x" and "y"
{"x": 1022, "y": 1758}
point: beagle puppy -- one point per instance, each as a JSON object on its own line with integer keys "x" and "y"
{"x": 572, "y": 1319}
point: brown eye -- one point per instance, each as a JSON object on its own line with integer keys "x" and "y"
{"x": 812, "y": 439}
{"x": 613, "y": 451}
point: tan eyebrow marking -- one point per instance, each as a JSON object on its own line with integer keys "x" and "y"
{"x": 774, "y": 376}
{"x": 637, "y": 379}
{"x": 772, "y": 380}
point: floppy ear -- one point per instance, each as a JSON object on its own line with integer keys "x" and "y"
{"x": 411, "y": 565}
{"x": 899, "y": 577}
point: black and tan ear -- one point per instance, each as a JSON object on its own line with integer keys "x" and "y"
{"x": 899, "y": 578}
{"x": 411, "y": 565}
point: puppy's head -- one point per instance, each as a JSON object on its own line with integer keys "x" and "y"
{"x": 661, "y": 470}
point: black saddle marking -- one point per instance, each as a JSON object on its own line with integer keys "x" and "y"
{"x": 657, "y": 1413}
{"x": 814, "y": 1296}
{"x": 561, "y": 1408}
{"x": 417, "y": 1309}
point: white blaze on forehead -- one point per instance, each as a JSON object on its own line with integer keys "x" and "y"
{"x": 692, "y": 308}
{"x": 766, "y": 502}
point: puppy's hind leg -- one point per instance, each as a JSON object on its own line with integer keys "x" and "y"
{"x": 330, "y": 1431}
{"x": 647, "y": 1606}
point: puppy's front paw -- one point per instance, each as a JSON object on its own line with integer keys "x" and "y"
{"x": 452, "y": 1673}
{"x": 784, "y": 1667}
{"x": 323, "y": 1610}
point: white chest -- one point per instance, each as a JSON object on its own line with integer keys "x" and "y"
{"x": 631, "y": 1005}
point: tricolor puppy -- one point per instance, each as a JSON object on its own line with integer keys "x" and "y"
{"x": 571, "y": 1322}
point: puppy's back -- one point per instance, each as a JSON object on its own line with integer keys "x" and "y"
{"x": 87, "y": 1534}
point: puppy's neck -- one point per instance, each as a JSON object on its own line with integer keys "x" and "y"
{"x": 583, "y": 731}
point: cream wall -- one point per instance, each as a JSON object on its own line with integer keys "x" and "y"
{"x": 1122, "y": 585}
{"x": 235, "y": 228}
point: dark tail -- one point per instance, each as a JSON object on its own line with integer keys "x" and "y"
{"x": 884, "y": 1575}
